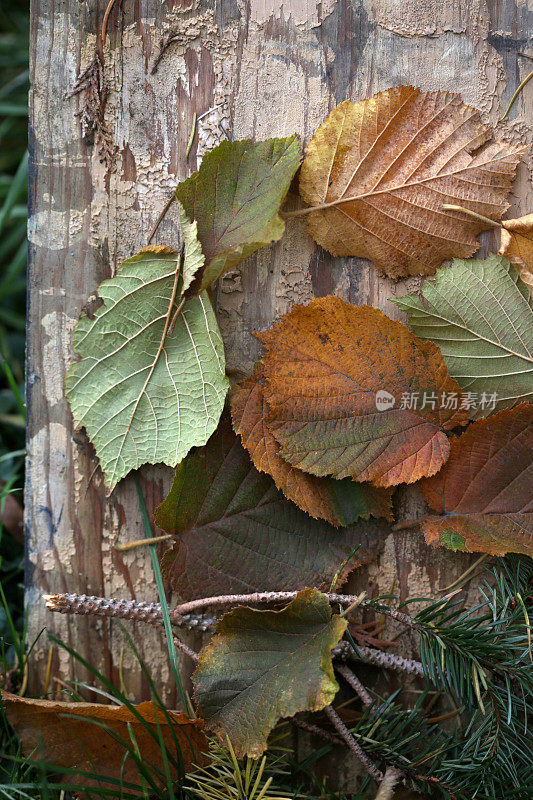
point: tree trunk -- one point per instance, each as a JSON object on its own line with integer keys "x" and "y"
{"x": 271, "y": 67}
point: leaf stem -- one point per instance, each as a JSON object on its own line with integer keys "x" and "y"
{"x": 473, "y": 214}
{"x": 161, "y": 216}
{"x": 519, "y": 89}
{"x": 142, "y": 542}
{"x": 176, "y": 315}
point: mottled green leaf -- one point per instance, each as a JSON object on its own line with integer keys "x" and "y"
{"x": 235, "y": 198}
{"x": 144, "y": 393}
{"x": 237, "y": 533}
{"x": 265, "y": 665}
{"x": 481, "y": 317}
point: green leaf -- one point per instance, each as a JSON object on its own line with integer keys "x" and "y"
{"x": 145, "y": 393}
{"x": 236, "y": 532}
{"x": 235, "y": 198}
{"x": 264, "y": 665}
{"x": 481, "y": 316}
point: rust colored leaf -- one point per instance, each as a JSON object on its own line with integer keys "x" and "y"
{"x": 379, "y": 171}
{"x": 82, "y": 736}
{"x": 483, "y": 493}
{"x": 337, "y": 502}
{"x": 339, "y": 380}
{"x": 517, "y": 245}
{"x": 235, "y": 532}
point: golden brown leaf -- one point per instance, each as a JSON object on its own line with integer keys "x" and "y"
{"x": 321, "y": 498}
{"x": 483, "y": 492}
{"x": 517, "y": 245}
{"x": 339, "y": 380}
{"x": 53, "y": 731}
{"x": 379, "y": 171}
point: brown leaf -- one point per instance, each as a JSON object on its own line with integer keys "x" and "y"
{"x": 337, "y": 378}
{"x": 381, "y": 169}
{"x": 517, "y": 245}
{"x": 53, "y": 731}
{"x": 321, "y": 498}
{"x": 483, "y": 492}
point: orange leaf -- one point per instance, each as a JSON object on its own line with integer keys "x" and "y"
{"x": 379, "y": 171}
{"x": 321, "y": 498}
{"x": 339, "y": 380}
{"x": 483, "y": 493}
{"x": 54, "y": 732}
{"x": 517, "y": 246}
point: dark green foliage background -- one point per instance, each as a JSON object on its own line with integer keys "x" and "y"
{"x": 14, "y": 84}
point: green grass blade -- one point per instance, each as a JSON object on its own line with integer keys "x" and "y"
{"x": 162, "y": 597}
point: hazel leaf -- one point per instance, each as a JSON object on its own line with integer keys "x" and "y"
{"x": 353, "y": 393}
{"x": 483, "y": 493}
{"x": 337, "y": 502}
{"x": 517, "y": 245}
{"x": 235, "y": 198}
{"x": 481, "y": 317}
{"x": 235, "y": 532}
{"x": 146, "y": 393}
{"x": 378, "y": 172}
{"x": 86, "y": 736}
{"x": 264, "y": 665}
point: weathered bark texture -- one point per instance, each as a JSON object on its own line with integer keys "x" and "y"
{"x": 278, "y": 66}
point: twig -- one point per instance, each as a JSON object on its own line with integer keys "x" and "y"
{"x": 106, "y": 19}
{"x": 351, "y": 678}
{"x": 255, "y": 598}
{"x": 353, "y": 745}
{"x": 160, "y": 218}
{"x": 317, "y": 731}
{"x": 142, "y": 542}
{"x": 515, "y": 95}
{"x": 368, "y": 655}
{"x": 126, "y": 609}
{"x": 185, "y": 649}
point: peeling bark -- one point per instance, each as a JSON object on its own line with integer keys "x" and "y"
{"x": 270, "y": 67}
